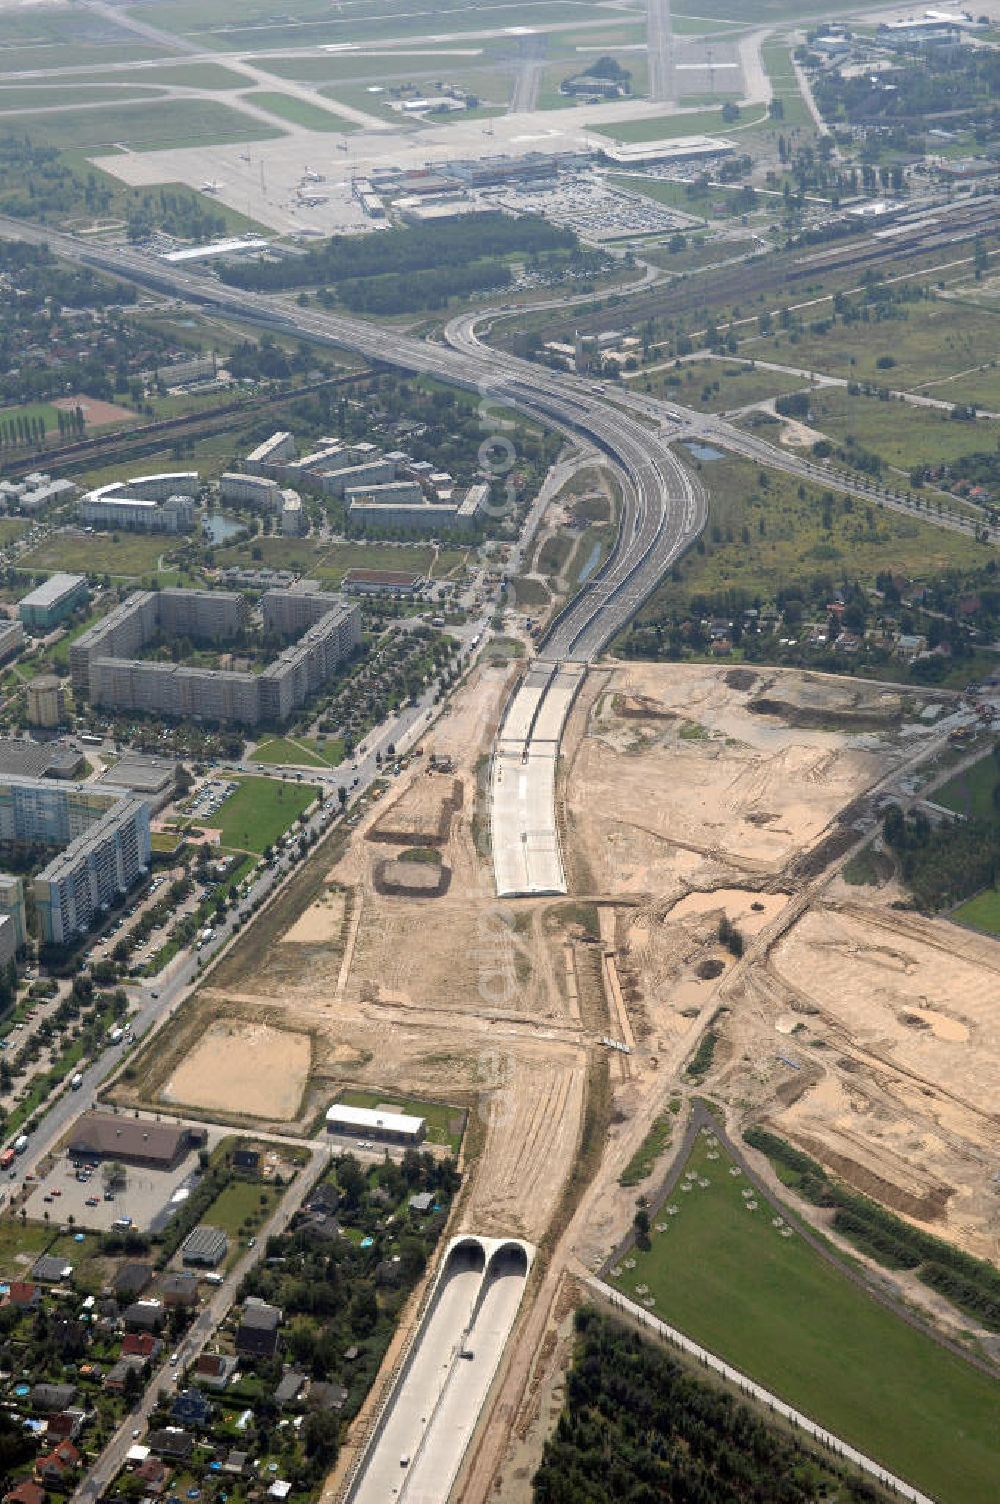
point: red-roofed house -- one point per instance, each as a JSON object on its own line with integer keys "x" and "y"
{"x": 24, "y": 1294}
{"x": 26, "y": 1492}
{"x": 55, "y": 1467}
{"x": 155, "y": 1474}
{"x": 140, "y": 1345}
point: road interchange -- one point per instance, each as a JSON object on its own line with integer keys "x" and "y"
{"x": 664, "y": 508}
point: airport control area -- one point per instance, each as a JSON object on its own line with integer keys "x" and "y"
{"x": 499, "y": 753}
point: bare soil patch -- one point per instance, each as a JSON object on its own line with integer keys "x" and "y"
{"x": 422, "y": 814}
{"x": 246, "y": 1068}
{"x": 322, "y": 923}
{"x": 402, "y": 879}
{"x": 98, "y": 414}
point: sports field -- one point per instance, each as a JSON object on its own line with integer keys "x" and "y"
{"x": 260, "y": 811}
{"x": 770, "y": 1305}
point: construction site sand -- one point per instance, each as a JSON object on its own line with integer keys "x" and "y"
{"x": 422, "y": 811}
{"x": 893, "y": 1018}
{"x": 244, "y": 1068}
{"x": 737, "y": 787}
{"x": 321, "y": 924}
{"x": 872, "y": 975}
{"x": 445, "y": 996}
{"x": 747, "y": 910}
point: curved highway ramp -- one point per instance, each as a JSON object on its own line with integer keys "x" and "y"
{"x": 418, "y": 1442}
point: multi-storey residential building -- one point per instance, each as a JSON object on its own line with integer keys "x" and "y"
{"x": 294, "y": 517}
{"x": 96, "y": 868}
{"x": 250, "y": 491}
{"x": 280, "y": 446}
{"x": 105, "y": 670}
{"x": 11, "y": 638}
{"x": 352, "y": 476}
{"x": 105, "y": 847}
{"x": 137, "y": 514}
{"x": 208, "y": 615}
{"x": 12, "y": 907}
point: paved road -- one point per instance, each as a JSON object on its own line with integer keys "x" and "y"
{"x": 112, "y": 1459}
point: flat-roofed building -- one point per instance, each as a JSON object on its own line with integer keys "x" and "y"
{"x": 11, "y": 638}
{"x": 241, "y": 490}
{"x": 351, "y": 476}
{"x": 96, "y": 869}
{"x": 280, "y": 446}
{"x": 208, "y": 615}
{"x": 205, "y": 1247}
{"x": 46, "y": 702}
{"x": 396, "y": 582}
{"x": 12, "y": 906}
{"x": 294, "y": 517}
{"x": 411, "y": 517}
{"x": 137, "y": 514}
{"x": 51, "y": 602}
{"x": 380, "y": 1123}
{"x": 106, "y": 676}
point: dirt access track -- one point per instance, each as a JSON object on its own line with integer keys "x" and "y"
{"x": 444, "y": 995}
{"x": 685, "y": 794}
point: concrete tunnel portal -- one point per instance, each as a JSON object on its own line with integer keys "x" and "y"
{"x": 422, "y": 1433}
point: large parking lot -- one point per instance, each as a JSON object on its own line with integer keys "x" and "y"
{"x": 210, "y": 798}
{"x": 586, "y": 203}
{"x": 149, "y": 1197}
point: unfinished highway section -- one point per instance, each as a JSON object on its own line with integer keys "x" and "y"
{"x": 526, "y": 855}
{"x": 421, "y": 1436}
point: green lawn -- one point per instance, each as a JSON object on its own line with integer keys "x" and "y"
{"x": 778, "y": 64}
{"x": 11, "y": 528}
{"x": 39, "y": 97}
{"x": 44, "y": 410}
{"x": 981, "y": 912}
{"x": 445, "y": 1125}
{"x": 971, "y": 792}
{"x": 717, "y": 386}
{"x": 938, "y": 338}
{"x": 121, "y": 555}
{"x": 903, "y": 435}
{"x": 211, "y": 76}
{"x": 30, "y": 1240}
{"x": 759, "y": 539}
{"x": 260, "y": 811}
{"x": 299, "y": 111}
{"x": 775, "y": 1309}
{"x": 153, "y": 126}
{"x": 240, "y": 1201}
{"x": 667, "y": 127}
{"x": 304, "y": 752}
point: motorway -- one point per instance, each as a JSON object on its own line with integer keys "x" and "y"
{"x": 664, "y": 505}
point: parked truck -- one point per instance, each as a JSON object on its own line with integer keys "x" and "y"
{"x": 21, "y": 1143}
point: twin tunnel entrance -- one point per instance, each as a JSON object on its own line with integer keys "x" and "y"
{"x": 419, "y": 1439}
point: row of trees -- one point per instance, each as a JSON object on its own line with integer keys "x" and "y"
{"x": 637, "y": 1428}
{"x": 402, "y": 251}
{"x": 943, "y": 864}
{"x": 971, "y": 1284}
